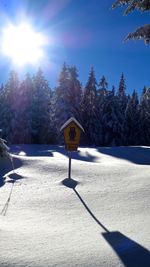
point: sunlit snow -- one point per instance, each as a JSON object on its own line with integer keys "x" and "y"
{"x": 99, "y": 218}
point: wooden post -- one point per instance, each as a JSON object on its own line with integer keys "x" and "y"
{"x": 72, "y": 130}
{"x": 69, "y": 170}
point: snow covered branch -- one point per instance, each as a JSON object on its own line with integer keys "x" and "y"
{"x": 141, "y": 5}
{"x": 141, "y": 33}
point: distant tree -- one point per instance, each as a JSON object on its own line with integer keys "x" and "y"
{"x": 145, "y": 117}
{"x": 89, "y": 109}
{"x": 5, "y": 114}
{"x": 1, "y": 104}
{"x": 40, "y": 114}
{"x": 131, "y": 124}
{"x": 103, "y": 86}
{"x": 122, "y": 100}
{"x": 30, "y": 112}
{"x": 122, "y": 87}
{"x": 102, "y": 93}
{"x": 142, "y": 32}
{"x": 110, "y": 119}
{"x": 25, "y": 98}
{"x": 11, "y": 107}
{"x": 75, "y": 92}
{"x": 121, "y": 94}
{"x": 54, "y": 131}
{"x": 62, "y": 103}
{"x": 113, "y": 90}
{"x": 67, "y": 97}
{"x": 3, "y": 149}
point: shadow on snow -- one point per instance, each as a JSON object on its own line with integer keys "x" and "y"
{"x": 11, "y": 178}
{"x": 32, "y": 150}
{"x": 137, "y": 155}
{"x": 48, "y": 151}
{"x": 130, "y": 252}
{"x": 6, "y": 168}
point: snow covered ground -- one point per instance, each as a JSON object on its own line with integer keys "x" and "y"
{"x": 99, "y": 218}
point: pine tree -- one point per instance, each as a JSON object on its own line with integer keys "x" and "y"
{"x": 131, "y": 122}
{"x": 11, "y": 107}
{"x": 1, "y": 105}
{"x": 145, "y": 117}
{"x": 113, "y": 90}
{"x": 23, "y": 127}
{"x": 3, "y": 149}
{"x": 110, "y": 119}
{"x": 89, "y": 109}
{"x": 121, "y": 94}
{"x": 75, "y": 93}
{"x": 103, "y": 86}
{"x": 54, "y": 131}
{"x": 122, "y": 87}
{"x": 121, "y": 107}
{"x": 63, "y": 100}
{"x": 101, "y": 109}
{"x": 40, "y": 128}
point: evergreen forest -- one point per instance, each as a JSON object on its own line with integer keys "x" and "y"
{"x": 32, "y": 113}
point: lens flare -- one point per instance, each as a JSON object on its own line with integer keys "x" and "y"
{"x": 22, "y": 44}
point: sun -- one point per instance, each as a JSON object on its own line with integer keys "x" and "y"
{"x": 22, "y": 44}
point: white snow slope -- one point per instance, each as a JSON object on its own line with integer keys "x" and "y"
{"x": 100, "y": 218}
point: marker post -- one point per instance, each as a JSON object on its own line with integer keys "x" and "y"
{"x": 72, "y": 130}
{"x": 69, "y": 169}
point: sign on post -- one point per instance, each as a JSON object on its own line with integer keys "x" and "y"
{"x": 72, "y": 132}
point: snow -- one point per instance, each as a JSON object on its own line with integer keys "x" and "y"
{"x": 99, "y": 218}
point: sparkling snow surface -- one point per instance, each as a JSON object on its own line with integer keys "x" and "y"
{"x": 99, "y": 218}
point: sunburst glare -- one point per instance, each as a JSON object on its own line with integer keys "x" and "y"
{"x": 23, "y": 44}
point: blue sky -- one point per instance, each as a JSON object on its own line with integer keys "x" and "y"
{"x": 85, "y": 33}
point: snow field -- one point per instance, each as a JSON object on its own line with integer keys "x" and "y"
{"x": 49, "y": 224}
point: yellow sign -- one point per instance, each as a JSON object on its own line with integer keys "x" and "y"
{"x": 72, "y": 132}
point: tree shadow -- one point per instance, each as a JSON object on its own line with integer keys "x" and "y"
{"x": 48, "y": 150}
{"x": 6, "y": 167}
{"x": 6, "y": 205}
{"x": 130, "y": 252}
{"x": 11, "y": 178}
{"x": 32, "y": 150}
{"x": 137, "y": 155}
{"x": 2, "y": 181}
{"x": 76, "y": 154}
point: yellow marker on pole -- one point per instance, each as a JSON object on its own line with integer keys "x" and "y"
{"x": 72, "y": 130}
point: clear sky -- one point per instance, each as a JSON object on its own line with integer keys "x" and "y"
{"x": 84, "y": 33}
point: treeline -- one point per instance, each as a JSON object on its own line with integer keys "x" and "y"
{"x": 32, "y": 113}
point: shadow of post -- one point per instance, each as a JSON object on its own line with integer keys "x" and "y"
{"x": 89, "y": 211}
{"x": 131, "y": 253}
{"x": 69, "y": 182}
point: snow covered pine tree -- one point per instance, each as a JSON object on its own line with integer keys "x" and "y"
{"x": 3, "y": 149}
